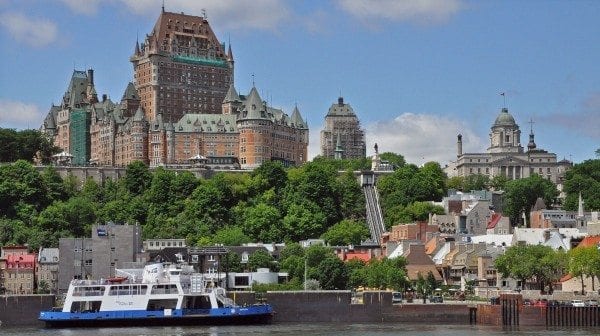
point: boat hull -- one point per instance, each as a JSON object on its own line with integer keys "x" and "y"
{"x": 224, "y": 316}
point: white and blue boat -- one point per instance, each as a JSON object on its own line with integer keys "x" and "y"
{"x": 161, "y": 297}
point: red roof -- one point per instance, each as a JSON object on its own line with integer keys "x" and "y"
{"x": 24, "y": 260}
{"x": 357, "y": 255}
{"x": 494, "y": 220}
{"x": 590, "y": 241}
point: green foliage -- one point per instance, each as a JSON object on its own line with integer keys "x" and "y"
{"x": 522, "y": 194}
{"x": 532, "y": 262}
{"x": 582, "y": 262}
{"x": 231, "y": 263}
{"x": 410, "y": 184}
{"x": 231, "y": 236}
{"x": 332, "y": 273}
{"x": 137, "y": 177}
{"x": 583, "y": 178}
{"x": 417, "y": 211}
{"x": 25, "y": 145}
{"x": 261, "y": 259}
{"x": 346, "y": 232}
{"x": 476, "y": 182}
{"x": 396, "y": 160}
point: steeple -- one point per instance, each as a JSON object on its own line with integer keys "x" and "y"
{"x": 137, "y": 51}
{"x": 580, "y": 206}
{"x": 531, "y": 145}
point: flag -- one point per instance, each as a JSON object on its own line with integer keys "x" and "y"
{"x": 503, "y": 94}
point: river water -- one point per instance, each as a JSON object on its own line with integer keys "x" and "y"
{"x": 306, "y": 329}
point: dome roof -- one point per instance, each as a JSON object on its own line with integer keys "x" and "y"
{"x": 505, "y": 119}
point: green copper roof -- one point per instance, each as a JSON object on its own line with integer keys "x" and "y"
{"x": 200, "y": 61}
{"x": 505, "y": 119}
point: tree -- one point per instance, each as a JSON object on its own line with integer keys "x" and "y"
{"x": 231, "y": 236}
{"x": 530, "y": 262}
{"x": 25, "y": 145}
{"x": 262, "y": 222}
{"x": 396, "y": 160}
{"x": 332, "y": 273}
{"x": 580, "y": 261}
{"x": 346, "y": 232}
{"x": 476, "y": 182}
{"x": 522, "y": 194}
{"x": 583, "y": 178}
{"x": 261, "y": 259}
{"x": 137, "y": 177}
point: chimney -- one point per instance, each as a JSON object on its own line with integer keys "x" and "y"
{"x": 91, "y": 76}
{"x": 104, "y": 97}
{"x": 459, "y": 145}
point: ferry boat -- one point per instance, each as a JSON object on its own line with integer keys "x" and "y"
{"x": 161, "y": 296}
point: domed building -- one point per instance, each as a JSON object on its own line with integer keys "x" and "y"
{"x": 506, "y": 156}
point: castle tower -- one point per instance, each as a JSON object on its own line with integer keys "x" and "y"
{"x": 181, "y": 68}
{"x": 255, "y": 126}
{"x": 342, "y": 121}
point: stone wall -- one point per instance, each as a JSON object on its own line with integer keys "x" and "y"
{"x": 22, "y": 310}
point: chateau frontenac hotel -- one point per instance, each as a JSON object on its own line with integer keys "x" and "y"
{"x": 182, "y": 108}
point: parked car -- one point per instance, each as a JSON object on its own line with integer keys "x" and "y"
{"x": 591, "y": 303}
{"x": 396, "y": 297}
{"x": 541, "y": 303}
{"x": 577, "y": 303}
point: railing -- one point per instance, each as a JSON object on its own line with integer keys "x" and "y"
{"x": 374, "y": 216}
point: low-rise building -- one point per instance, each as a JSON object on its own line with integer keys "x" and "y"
{"x": 47, "y": 274}
{"x": 18, "y": 270}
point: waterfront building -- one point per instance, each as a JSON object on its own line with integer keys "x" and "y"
{"x": 342, "y": 137}
{"x": 506, "y": 156}
{"x": 110, "y": 246}
{"x": 17, "y": 270}
{"x": 47, "y": 272}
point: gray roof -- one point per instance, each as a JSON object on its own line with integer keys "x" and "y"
{"x": 341, "y": 109}
{"x": 139, "y": 115}
{"x": 50, "y": 120}
{"x": 254, "y": 107}
{"x": 207, "y": 123}
{"x": 232, "y": 95}
{"x": 77, "y": 90}
{"x": 297, "y": 120}
{"x": 48, "y": 255}
{"x": 130, "y": 92}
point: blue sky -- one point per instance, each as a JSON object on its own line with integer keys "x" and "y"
{"x": 416, "y": 72}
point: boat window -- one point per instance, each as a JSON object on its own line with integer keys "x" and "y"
{"x": 164, "y": 289}
{"x": 88, "y": 291}
{"x": 128, "y": 290}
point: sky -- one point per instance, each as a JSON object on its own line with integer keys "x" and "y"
{"x": 416, "y": 72}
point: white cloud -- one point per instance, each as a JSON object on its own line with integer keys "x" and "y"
{"x": 36, "y": 32}
{"x": 87, "y": 7}
{"x": 419, "y": 11}
{"x": 422, "y": 137}
{"x": 229, "y": 14}
{"x": 19, "y": 115}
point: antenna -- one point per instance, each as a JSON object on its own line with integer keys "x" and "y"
{"x": 163, "y": 6}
